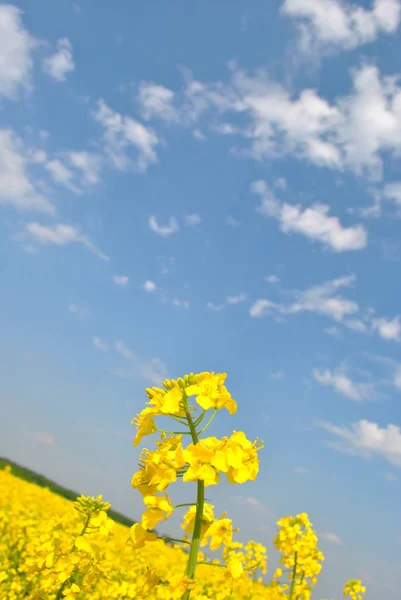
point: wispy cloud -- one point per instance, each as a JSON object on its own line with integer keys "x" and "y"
{"x": 251, "y": 502}
{"x": 322, "y": 299}
{"x": 157, "y": 101}
{"x": 100, "y": 344}
{"x": 367, "y": 439}
{"x": 313, "y": 222}
{"x": 215, "y": 307}
{"x": 59, "y": 64}
{"x": 388, "y": 329}
{"x": 17, "y": 188}
{"x": 340, "y": 381}
{"x": 242, "y": 297}
{"x": 300, "y": 470}
{"x": 153, "y": 371}
{"x": 127, "y": 142}
{"x": 16, "y": 49}
{"x": 327, "y": 25}
{"x": 325, "y": 299}
{"x": 181, "y": 303}
{"x": 330, "y": 537}
{"x": 78, "y": 310}
{"x": 164, "y": 230}
{"x": 277, "y": 375}
{"x": 121, "y": 280}
{"x": 123, "y": 350}
{"x": 273, "y": 279}
{"x": 332, "y": 331}
{"x": 61, "y": 174}
{"x": 193, "y": 219}
{"x": 61, "y": 235}
{"x": 47, "y": 439}
{"x": 149, "y": 286}
{"x": 232, "y": 221}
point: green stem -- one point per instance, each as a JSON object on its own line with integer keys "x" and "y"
{"x": 186, "y": 504}
{"x": 302, "y": 579}
{"x": 178, "y": 419}
{"x": 208, "y": 423}
{"x": 61, "y": 588}
{"x": 170, "y": 539}
{"x": 200, "y": 418}
{"x": 205, "y": 562}
{"x": 173, "y": 432}
{"x": 200, "y": 500}
{"x": 294, "y": 573}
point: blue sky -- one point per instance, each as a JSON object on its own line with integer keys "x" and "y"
{"x": 191, "y": 186}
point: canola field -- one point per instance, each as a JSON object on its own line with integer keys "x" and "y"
{"x": 53, "y": 549}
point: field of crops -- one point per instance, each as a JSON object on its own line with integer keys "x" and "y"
{"x": 53, "y": 549}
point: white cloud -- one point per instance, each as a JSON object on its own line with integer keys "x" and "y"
{"x": 251, "y": 502}
{"x": 332, "y": 331}
{"x": 122, "y": 133}
{"x": 215, "y": 307}
{"x": 47, "y": 439}
{"x": 16, "y": 188}
{"x": 330, "y": 537}
{"x": 30, "y": 249}
{"x": 281, "y": 183}
{"x": 193, "y": 219}
{"x": 153, "y": 371}
{"x": 300, "y": 470}
{"x": 342, "y": 384}
{"x": 75, "y": 309}
{"x": 16, "y": 47}
{"x": 368, "y": 439}
{"x": 157, "y": 101}
{"x": 123, "y": 350}
{"x": 329, "y": 24}
{"x": 83, "y": 166}
{"x": 60, "y": 235}
{"x": 356, "y": 325}
{"x": 149, "y": 286}
{"x": 391, "y": 478}
{"x": 397, "y": 378}
{"x": 59, "y": 64}
{"x": 164, "y": 230}
{"x": 375, "y": 100}
{"x": 100, "y": 344}
{"x": 273, "y": 279}
{"x": 321, "y": 299}
{"x": 121, "y": 280}
{"x": 388, "y": 330}
{"x": 88, "y": 163}
{"x": 62, "y": 174}
{"x": 232, "y": 222}
{"x": 277, "y": 375}
{"x": 280, "y": 124}
{"x": 237, "y": 299}
{"x": 392, "y": 191}
{"x": 262, "y": 307}
{"x": 314, "y": 222}
{"x": 277, "y": 122}
{"x": 198, "y": 135}
{"x": 181, "y": 303}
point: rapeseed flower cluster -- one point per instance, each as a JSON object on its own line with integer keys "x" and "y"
{"x": 186, "y": 400}
{"x": 51, "y": 549}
